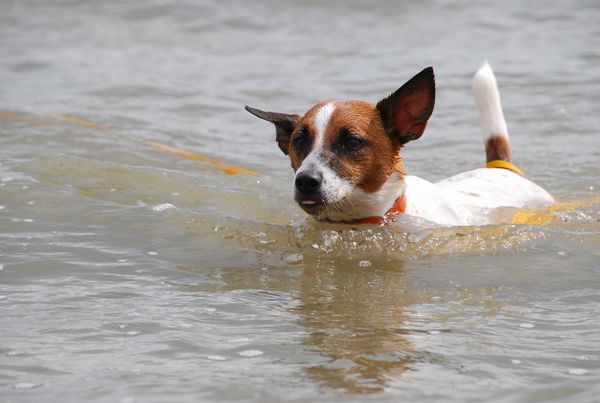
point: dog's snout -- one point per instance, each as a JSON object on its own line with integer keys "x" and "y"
{"x": 307, "y": 183}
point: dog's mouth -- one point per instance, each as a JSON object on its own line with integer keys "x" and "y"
{"x": 312, "y": 205}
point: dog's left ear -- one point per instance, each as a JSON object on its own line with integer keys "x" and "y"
{"x": 406, "y": 111}
{"x": 284, "y": 125}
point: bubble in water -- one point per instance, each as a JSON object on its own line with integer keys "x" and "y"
{"x": 561, "y": 253}
{"x": 516, "y": 362}
{"x": 250, "y": 353}
{"x": 364, "y": 263}
{"x": 239, "y": 340}
{"x": 578, "y": 371}
{"x": 527, "y": 325}
{"x": 294, "y": 258}
{"x": 163, "y": 207}
{"x": 24, "y": 385}
{"x": 215, "y": 357}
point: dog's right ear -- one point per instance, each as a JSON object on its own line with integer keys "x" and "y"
{"x": 284, "y": 125}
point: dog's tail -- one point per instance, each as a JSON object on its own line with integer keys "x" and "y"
{"x": 487, "y": 97}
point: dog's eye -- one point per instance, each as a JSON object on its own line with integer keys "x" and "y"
{"x": 352, "y": 143}
{"x": 300, "y": 140}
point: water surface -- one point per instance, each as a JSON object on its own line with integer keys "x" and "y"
{"x": 128, "y": 274}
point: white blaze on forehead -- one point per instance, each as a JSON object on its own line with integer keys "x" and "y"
{"x": 322, "y": 118}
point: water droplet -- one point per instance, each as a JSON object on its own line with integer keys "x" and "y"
{"x": 24, "y": 385}
{"x": 578, "y": 371}
{"x": 561, "y": 253}
{"x": 250, "y": 353}
{"x": 527, "y": 325}
{"x": 516, "y": 362}
{"x": 364, "y": 263}
{"x": 216, "y": 357}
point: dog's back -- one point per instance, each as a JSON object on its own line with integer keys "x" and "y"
{"x": 467, "y": 198}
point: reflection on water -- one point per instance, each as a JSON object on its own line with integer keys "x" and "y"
{"x": 354, "y": 313}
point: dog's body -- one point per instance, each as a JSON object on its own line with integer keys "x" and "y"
{"x": 346, "y": 155}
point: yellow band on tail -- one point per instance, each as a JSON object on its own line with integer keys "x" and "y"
{"x": 504, "y": 165}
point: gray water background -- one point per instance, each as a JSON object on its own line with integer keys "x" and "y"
{"x": 131, "y": 275}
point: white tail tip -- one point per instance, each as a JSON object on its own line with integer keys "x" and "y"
{"x": 487, "y": 97}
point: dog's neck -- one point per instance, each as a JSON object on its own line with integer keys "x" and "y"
{"x": 362, "y": 205}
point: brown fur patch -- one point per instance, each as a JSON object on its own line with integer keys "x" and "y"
{"x": 498, "y": 148}
{"x": 369, "y": 168}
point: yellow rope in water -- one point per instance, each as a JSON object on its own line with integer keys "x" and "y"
{"x": 219, "y": 165}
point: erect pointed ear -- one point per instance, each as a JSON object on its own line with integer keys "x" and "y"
{"x": 284, "y": 125}
{"x": 406, "y": 111}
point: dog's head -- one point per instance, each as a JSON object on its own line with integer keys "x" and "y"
{"x": 346, "y": 154}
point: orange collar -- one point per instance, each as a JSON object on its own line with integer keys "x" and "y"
{"x": 393, "y": 213}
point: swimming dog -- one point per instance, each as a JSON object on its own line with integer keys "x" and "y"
{"x": 346, "y": 156}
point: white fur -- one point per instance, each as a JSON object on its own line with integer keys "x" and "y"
{"x": 322, "y": 118}
{"x": 487, "y": 97}
{"x": 469, "y": 197}
{"x": 360, "y": 204}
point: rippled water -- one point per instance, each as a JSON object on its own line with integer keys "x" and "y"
{"x": 133, "y": 274}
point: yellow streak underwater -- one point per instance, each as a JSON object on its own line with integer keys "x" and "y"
{"x": 219, "y": 165}
{"x": 547, "y": 216}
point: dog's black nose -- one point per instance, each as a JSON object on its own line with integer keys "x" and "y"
{"x": 307, "y": 183}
